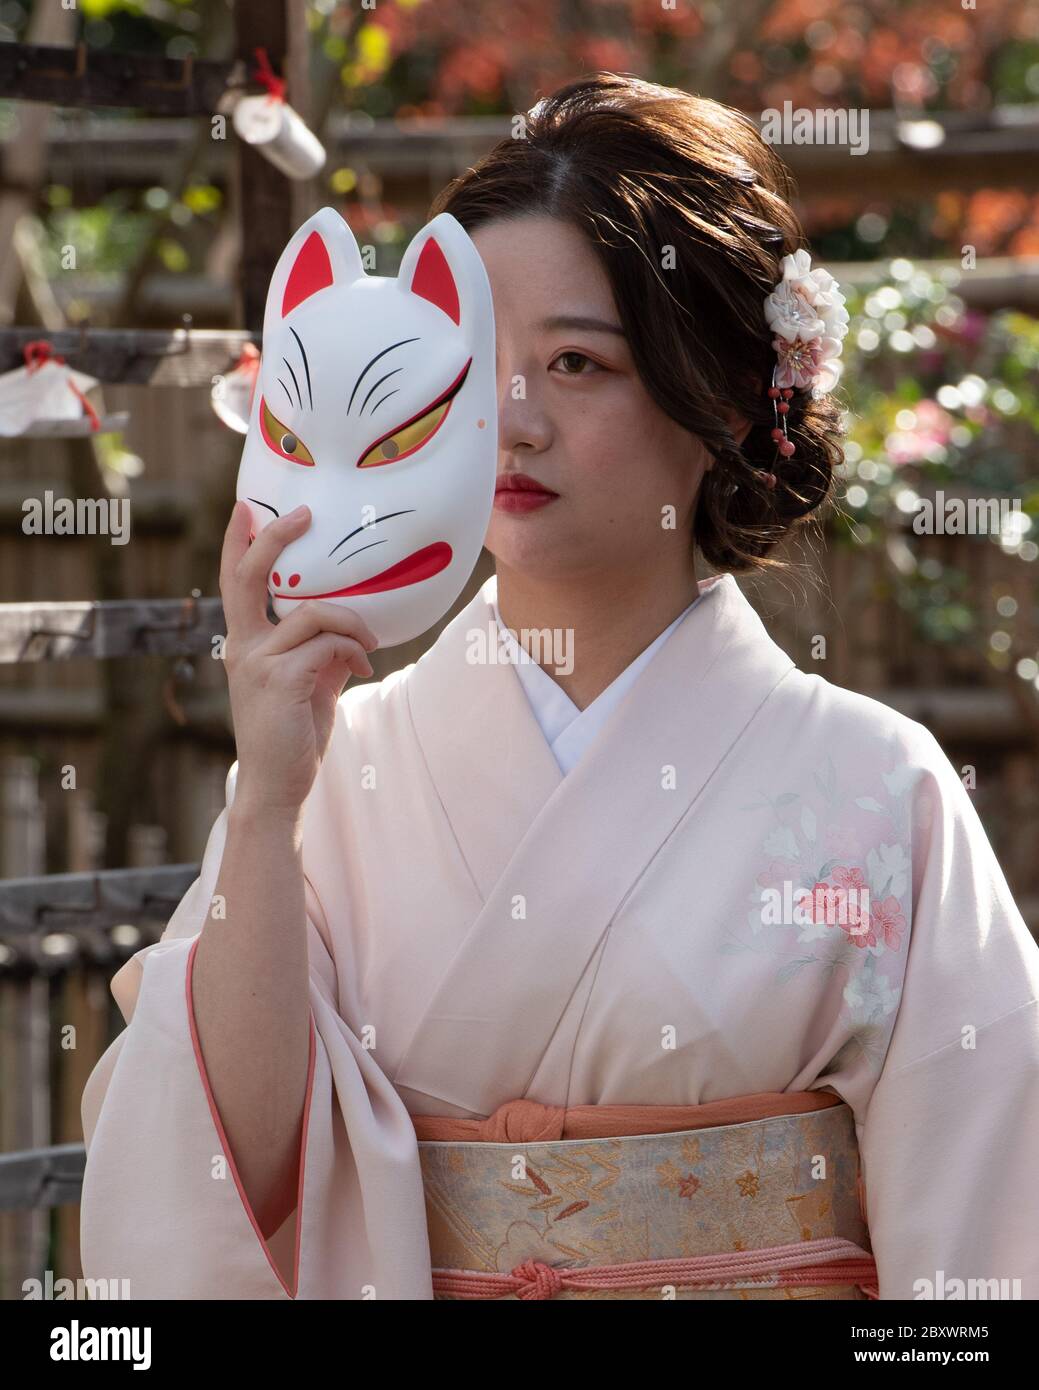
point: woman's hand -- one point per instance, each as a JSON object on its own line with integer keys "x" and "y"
{"x": 284, "y": 679}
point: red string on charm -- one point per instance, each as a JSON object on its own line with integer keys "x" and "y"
{"x": 265, "y": 73}
{"x": 40, "y": 351}
{"x": 37, "y": 352}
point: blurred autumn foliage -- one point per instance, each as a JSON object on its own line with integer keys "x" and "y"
{"x": 418, "y": 58}
{"x": 408, "y": 59}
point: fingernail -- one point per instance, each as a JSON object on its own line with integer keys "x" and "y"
{"x": 298, "y": 511}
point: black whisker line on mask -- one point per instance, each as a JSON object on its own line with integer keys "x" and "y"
{"x": 375, "y": 407}
{"x": 372, "y": 364}
{"x": 357, "y": 552}
{"x": 286, "y": 390}
{"x": 294, "y": 381}
{"x": 405, "y": 512}
{"x": 306, "y": 364}
{"x": 375, "y": 388}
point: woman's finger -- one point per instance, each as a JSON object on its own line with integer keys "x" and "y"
{"x": 236, "y": 543}
{"x": 246, "y": 583}
{"x": 298, "y": 669}
{"x": 316, "y": 616}
{"x": 272, "y": 540}
{"x": 236, "y": 537}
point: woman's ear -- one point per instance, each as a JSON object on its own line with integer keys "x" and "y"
{"x": 739, "y": 426}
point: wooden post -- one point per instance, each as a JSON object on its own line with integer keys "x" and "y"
{"x": 25, "y": 1099}
{"x": 269, "y": 206}
{"x": 85, "y": 1006}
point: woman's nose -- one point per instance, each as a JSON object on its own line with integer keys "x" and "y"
{"x": 522, "y": 419}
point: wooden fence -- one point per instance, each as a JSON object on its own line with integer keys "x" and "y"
{"x": 115, "y": 738}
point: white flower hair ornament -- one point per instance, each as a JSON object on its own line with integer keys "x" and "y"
{"x": 807, "y": 316}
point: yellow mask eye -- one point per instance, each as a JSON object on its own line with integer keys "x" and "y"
{"x": 281, "y": 439}
{"x": 407, "y": 439}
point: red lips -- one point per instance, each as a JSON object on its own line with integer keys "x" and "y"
{"x": 520, "y": 482}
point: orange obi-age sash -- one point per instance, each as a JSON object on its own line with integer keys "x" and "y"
{"x": 755, "y": 1197}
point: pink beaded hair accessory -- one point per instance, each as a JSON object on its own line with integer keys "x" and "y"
{"x": 807, "y": 316}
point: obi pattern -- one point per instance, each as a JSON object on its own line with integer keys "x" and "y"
{"x": 575, "y": 1203}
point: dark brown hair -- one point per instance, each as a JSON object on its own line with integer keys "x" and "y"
{"x": 640, "y": 168}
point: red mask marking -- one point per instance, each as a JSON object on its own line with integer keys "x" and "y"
{"x": 423, "y": 564}
{"x": 433, "y": 280}
{"x": 312, "y": 271}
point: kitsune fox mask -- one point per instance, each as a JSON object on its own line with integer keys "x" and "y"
{"x": 375, "y": 405}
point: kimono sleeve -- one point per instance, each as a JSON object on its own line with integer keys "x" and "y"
{"x": 950, "y": 1139}
{"x": 161, "y": 1209}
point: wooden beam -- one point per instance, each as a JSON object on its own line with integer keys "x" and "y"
{"x": 978, "y": 714}
{"x": 40, "y": 711}
{"x": 121, "y": 627}
{"x": 993, "y": 149}
{"x": 84, "y": 76}
{"x": 182, "y": 357}
{"x": 38, "y": 1178}
{"x": 990, "y": 149}
{"x": 84, "y": 902}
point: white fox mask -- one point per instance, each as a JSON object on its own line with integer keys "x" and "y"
{"x": 376, "y": 405}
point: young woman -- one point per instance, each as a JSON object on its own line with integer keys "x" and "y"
{"x": 665, "y": 971}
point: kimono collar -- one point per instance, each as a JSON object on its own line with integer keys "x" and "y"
{"x": 570, "y": 848}
{"x": 481, "y": 739}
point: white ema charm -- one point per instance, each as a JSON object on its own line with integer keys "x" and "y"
{"x": 376, "y": 406}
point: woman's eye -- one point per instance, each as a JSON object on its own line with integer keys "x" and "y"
{"x": 575, "y": 357}
{"x": 405, "y": 440}
{"x": 281, "y": 439}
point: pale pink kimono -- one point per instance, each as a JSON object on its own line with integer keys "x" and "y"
{"x": 482, "y": 928}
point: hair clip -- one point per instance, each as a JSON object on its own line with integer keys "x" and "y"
{"x": 806, "y": 313}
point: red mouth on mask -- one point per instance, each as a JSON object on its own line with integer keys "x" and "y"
{"x": 421, "y": 564}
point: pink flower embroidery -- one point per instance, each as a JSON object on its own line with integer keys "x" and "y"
{"x": 887, "y": 916}
{"x": 858, "y": 924}
{"x": 822, "y": 904}
{"x": 849, "y": 878}
{"x": 840, "y": 905}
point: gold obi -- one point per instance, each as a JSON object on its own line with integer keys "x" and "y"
{"x": 767, "y": 1207}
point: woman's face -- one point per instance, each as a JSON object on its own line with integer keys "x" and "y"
{"x": 575, "y": 416}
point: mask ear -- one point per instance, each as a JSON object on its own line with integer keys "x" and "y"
{"x": 443, "y": 266}
{"x": 321, "y": 253}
